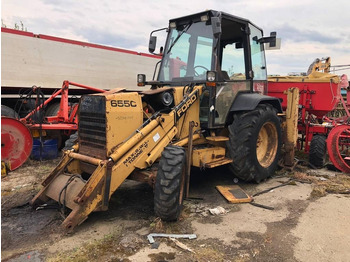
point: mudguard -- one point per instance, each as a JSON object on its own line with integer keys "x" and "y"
{"x": 249, "y": 101}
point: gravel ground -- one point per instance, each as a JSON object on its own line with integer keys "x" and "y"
{"x": 309, "y": 221}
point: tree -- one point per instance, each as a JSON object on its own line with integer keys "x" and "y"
{"x": 17, "y": 26}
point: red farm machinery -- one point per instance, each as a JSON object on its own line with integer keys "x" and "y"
{"x": 319, "y": 132}
{"x": 60, "y": 119}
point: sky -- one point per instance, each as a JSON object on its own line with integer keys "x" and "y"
{"x": 309, "y": 29}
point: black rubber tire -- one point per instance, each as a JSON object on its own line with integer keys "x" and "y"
{"x": 9, "y": 112}
{"x": 318, "y": 150}
{"x": 71, "y": 141}
{"x": 242, "y": 146}
{"x": 27, "y": 106}
{"x": 169, "y": 185}
{"x": 52, "y": 109}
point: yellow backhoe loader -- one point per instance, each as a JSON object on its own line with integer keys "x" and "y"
{"x": 206, "y": 108}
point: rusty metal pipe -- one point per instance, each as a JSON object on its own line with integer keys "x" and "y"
{"x": 84, "y": 158}
{"x": 189, "y": 158}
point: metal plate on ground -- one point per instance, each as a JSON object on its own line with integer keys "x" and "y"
{"x": 234, "y": 194}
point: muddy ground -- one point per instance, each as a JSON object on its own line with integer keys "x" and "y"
{"x": 309, "y": 221}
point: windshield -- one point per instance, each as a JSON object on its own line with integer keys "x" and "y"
{"x": 189, "y": 53}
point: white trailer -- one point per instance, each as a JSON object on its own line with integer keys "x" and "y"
{"x": 29, "y": 59}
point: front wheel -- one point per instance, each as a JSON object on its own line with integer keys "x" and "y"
{"x": 255, "y": 143}
{"x": 318, "y": 151}
{"x": 169, "y": 185}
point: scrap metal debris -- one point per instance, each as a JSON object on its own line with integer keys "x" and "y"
{"x": 262, "y": 206}
{"x": 182, "y": 245}
{"x": 151, "y": 236}
{"x": 289, "y": 182}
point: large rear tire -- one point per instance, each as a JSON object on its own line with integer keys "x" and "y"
{"x": 52, "y": 109}
{"x": 71, "y": 141}
{"x": 255, "y": 143}
{"x": 9, "y": 112}
{"x": 318, "y": 150}
{"x": 169, "y": 185}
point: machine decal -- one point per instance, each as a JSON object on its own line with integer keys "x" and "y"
{"x": 123, "y": 103}
{"x": 185, "y": 105}
{"x": 156, "y": 137}
{"x": 137, "y": 152}
{"x": 124, "y": 118}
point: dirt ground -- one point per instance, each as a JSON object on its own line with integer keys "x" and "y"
{"x": 307, "y": 220}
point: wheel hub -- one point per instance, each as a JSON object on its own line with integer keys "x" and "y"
{"x": 16, "y": 142}
{"x": 267, "y": 144}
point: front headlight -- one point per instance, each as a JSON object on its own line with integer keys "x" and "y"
{"x": 167, "y": 98}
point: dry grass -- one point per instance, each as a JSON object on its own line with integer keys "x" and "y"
{"x": 107, "y": 249}
{"x": 208, "y": 254}
{"x": 337, "y": 184}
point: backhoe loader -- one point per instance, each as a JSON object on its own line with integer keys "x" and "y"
{"x": 206, "y": 108}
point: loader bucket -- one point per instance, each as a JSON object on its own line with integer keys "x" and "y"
{"x": 71, "y": 191}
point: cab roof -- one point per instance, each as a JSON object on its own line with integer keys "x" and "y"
{"x": 211, "y": 13}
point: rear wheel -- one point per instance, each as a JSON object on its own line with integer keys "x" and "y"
{"x": 9, "y": 112}
{"x": 52, "y": 109}
{"x": 318, "y": 149}
{"x": 169, "y": 185}
{"x": 255, "y": 143}
{"x": 71, "y": 141}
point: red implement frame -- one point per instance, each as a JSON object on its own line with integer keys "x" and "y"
{"x": 316, "y": 98}
{"x": 308, "y": 129}
{"x": 16, "y": 138}
{"x": 66, "y": 117}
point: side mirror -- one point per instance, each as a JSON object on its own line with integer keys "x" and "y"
{"x": 276, "y": 47}
{"x": 273, "y": 39}
{"x": 271, "y": 42}
{"x": 274, "y": 43}
{"x": 152, "y": 44}
{"x": 216, "y": 25}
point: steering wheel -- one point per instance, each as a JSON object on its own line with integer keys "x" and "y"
{"x": 199, "y": 66}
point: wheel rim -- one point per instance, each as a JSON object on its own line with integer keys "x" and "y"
{"x": 338, "y": 146}
{"x": 267, "y": 144}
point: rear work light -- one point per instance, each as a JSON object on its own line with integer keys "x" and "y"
{"x": 211, "y": 78}
{"x": 141, "y": 79}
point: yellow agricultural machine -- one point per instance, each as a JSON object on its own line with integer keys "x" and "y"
{"x": 206, "y": 108}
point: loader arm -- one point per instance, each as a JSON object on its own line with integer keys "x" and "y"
{"x": 66, "y": 185}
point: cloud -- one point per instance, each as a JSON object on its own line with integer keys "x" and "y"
{"x": 309, "y": 28}
{"x": 294, "y": 34}
{"x": 112, "y": 39}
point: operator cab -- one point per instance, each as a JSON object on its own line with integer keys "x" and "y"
{"x": 223, "y": 52}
